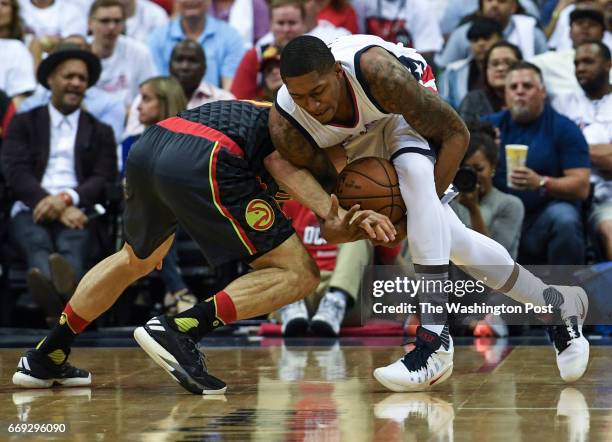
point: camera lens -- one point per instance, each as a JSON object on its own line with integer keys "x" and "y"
{"x": 466, "y": 179}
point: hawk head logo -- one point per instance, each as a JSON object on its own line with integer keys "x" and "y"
{"x": 259, "y": 215}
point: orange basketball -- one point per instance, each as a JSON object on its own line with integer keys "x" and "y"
{"x": 373, "y": 184}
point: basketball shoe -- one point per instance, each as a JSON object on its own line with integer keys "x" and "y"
{"x": 571, "y": 347}
{"x": 429, "y": 364}
{"x": 36, "y": 370}
{"x": 294, "y": 319}
{"x": 329, "y": 316}
{"x": 178, "y": 354}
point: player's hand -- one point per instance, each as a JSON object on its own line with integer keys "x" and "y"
{"x": 337, "y": 228}
{"x": 49, "y": 208}
{"x": 74, "y": 218}
{"x": 399, "y": 237}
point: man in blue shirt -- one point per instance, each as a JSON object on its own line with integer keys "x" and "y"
{"x": 222, "y": 44}
{"x": 556, "y": 176}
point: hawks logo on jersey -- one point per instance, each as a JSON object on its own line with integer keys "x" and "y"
{"x": 259, "y": 215}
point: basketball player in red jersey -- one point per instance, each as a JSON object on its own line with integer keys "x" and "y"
{"x": 375, "y": 98}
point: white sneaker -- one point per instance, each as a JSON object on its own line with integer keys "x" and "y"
{"x": 429, "y": 364}
{"x": 329, "y": 316}
{"x": 571, "y": 347}
{"x": 294, "y": 318}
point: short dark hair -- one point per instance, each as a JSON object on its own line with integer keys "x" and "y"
{"x": 305, "y": 54}
{"x": 604, "y": 50}
{"x": 482, "y": 138}
{"x": 106, "y": 4}
{"x": 483, "y": 27}
{"x": 521, "y": 65}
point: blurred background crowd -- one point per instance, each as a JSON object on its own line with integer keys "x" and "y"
{"x": 80, "y": 80}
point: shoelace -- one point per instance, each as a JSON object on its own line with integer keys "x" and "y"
{"x": 417, "y": 358}
{"x": 188, "y": 344}
{"x": 561, "y": 335}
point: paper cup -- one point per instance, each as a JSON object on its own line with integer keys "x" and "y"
{"x": 516, "y": 156}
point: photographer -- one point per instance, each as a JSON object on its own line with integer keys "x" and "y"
{"x": 481, "y": 206}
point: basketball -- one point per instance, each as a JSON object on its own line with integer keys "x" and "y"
{"x": 372, "y": 183}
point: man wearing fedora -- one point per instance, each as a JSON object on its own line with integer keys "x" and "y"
{"x": 57, "y": 160}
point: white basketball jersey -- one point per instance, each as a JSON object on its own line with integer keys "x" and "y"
{"x": 369, "y": 114}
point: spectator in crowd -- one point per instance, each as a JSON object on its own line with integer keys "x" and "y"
{"x": 456, "y": 12}
{"x": 57, "y": 160}
{"x": 161, "y": 98}
{"x": 125, "y": 62}
{"x": 188, "y": 66}
{"x": 16, "y": 70}
{"x": 518, "y": 29}
{"x": 142, "y": 16}
{"x": 411, "y": 22}
{"x": 591, "y": 109}
{"x": 559, "y": 27}
{"x": 341, "y": 268}
{"x": 11, "y": 25}
{"x": 463, "y": 76}
{"x": 339, "y": 13}
{"x": 249, "y": 17}
{"x": 222, "y": 44}
{"x": 556, "y": 177}
{"x": 97, "y": 101}
{"x": 270, "y": 73}
{"x": 286, "y": 23}
{"x": 491, "y": 98}
{"x": 50, "y": 20}
{"x": 486, "y": 209}
{"x": 586, "y": 24}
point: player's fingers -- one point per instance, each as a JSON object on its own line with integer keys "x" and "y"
{"x": 380, "y": 233}
{"x": 368, "y": 229}
{"x": 333, "y": 210}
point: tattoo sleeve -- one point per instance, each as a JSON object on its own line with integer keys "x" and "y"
{"x": 292, "y": 145}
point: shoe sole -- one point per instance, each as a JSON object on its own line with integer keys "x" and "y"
{"x": 296, "y": 327}
{"x": 322, "y": 328}
{"x": 26, "y": 381}
{"x": 160, "y": 356}
{"x": 416, "y": 387}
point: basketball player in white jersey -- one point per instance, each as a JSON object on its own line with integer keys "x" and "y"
{"x": 376, "y": 98}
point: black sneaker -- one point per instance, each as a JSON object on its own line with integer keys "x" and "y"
{"x": 178, "y": 354}
{"x": 36, "y": 370}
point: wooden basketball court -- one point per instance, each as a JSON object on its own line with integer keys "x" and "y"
{"x": 279, "y": 392}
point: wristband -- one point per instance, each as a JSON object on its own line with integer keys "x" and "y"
{"x": 67, "y": 199}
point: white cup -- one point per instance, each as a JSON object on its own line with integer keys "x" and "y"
{"x": 516, "y": 156}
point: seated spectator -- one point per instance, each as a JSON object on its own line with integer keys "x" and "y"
{"x": 339, "y": 13}
{"x": 557, "y": 28}
{"x": 462, "y": 76}
{"x": 591, "y": 110}
{"x": 125, "y": 62}
{"x": 286, "y": 23}
{"x": 57, "y": 160}
{"x": 163, "y": 97}
{"x": 341, "y": 268}
{"x": 222, "y": 44}
{"x": 97, "y": 101}
{"x": 556, "y": 177}
{"x": 249, "y": 17}
{"x": 486, "y": 209}
{"x": 456, "y": 12}
{"x": 188, "y": 66}
{"x": 411, "y": 22}
{"x": 142, "y": 16}
{"x": 491, "y": 98}
{"x": 586, "y": 24}
{"x": 16, "y": 70}
{"x": 518, "y": 29}
{"x": 270, "y": 72}
{"x": 50, "y": 20}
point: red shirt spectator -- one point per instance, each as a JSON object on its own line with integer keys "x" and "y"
{"x": 341, "y": 14}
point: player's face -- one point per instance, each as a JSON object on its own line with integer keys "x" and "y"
{"x": 525, "y": 95}
{"x": 68, "y": 83}
{"x": 484, "y": 170}
{"x": 317, "y": 93}
{"x": 499, "y": 62}
{"x": 149, "y": 107}
{"x": 591, "y": 69}
{"x": 286, "y": 23}
{"x": 499, "y": 10}
{"x": 106, "y": 24}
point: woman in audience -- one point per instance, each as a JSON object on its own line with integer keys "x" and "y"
{"x": 163, "y": 97}
{"x": 490, "y": 99}
{"x": 11, "y": 25}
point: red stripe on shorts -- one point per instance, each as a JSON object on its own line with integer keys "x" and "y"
{"x": 182, "y": 126}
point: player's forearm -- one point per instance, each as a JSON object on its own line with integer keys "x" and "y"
{"x": 450, "y": 155}
{"x": 299, "y": 183}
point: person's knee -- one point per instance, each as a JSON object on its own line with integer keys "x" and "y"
{"x": 143, "y": 266}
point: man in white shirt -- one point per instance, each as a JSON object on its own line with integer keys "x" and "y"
{"x": 53, "y": 18}
{"x": 126, "y": 62}
{"x": 188, "y": 66}
{"x": 586, "y": 24}
{"x": 16, "y": 70}
{"x": 591, "y": 109}
{"x": 57, "y": 159}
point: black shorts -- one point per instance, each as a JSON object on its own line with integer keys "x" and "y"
{"x": 206, "y": 187}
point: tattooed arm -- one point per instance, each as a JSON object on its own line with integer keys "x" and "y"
{"x": 397, "y": 91}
